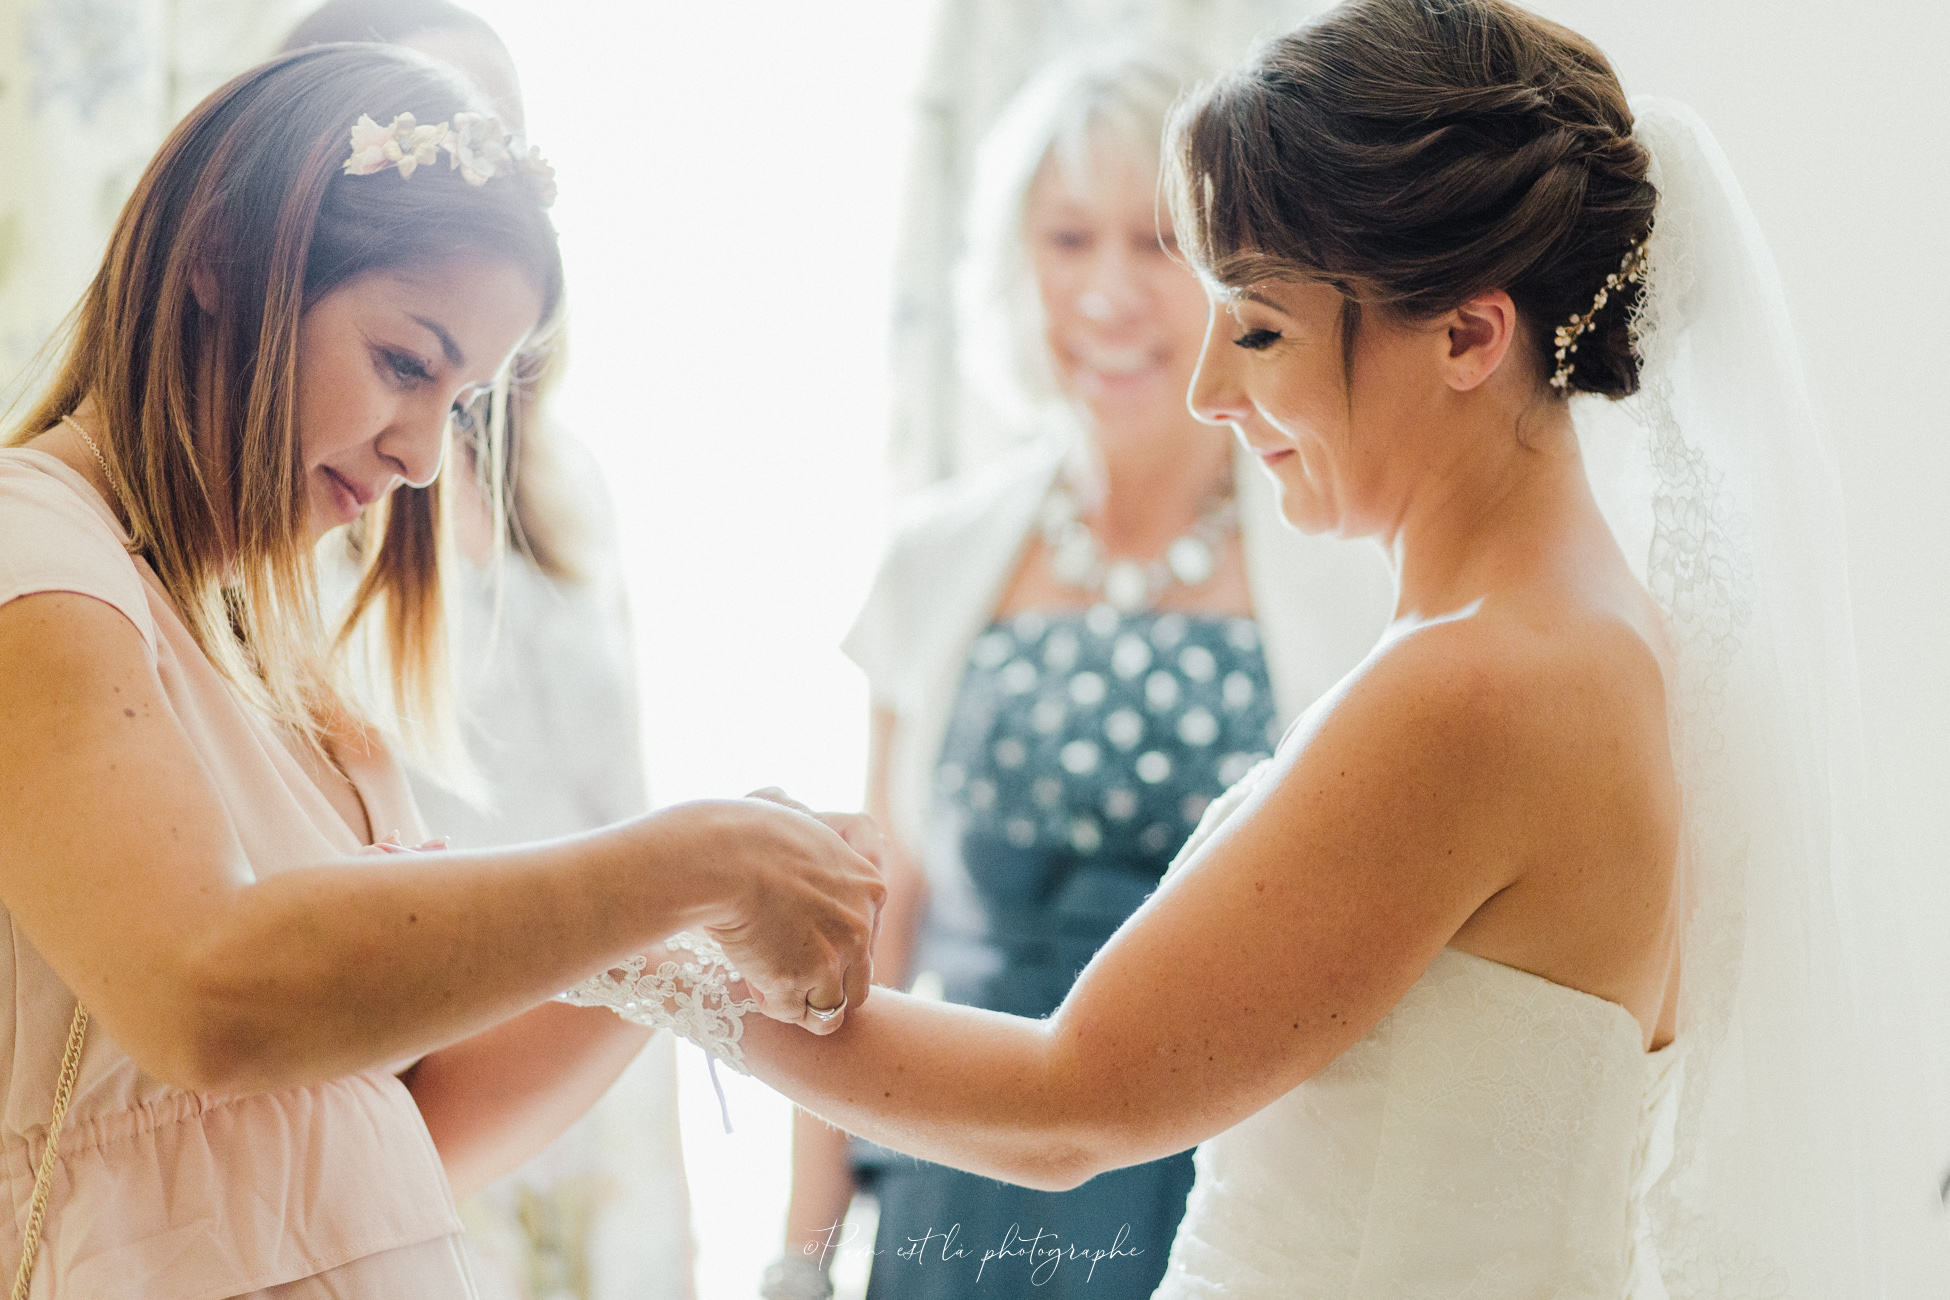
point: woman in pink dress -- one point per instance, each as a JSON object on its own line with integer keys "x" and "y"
{"x": 296, "y": 1046}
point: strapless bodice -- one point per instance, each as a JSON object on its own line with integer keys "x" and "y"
{"x": 1492, "y": 1137}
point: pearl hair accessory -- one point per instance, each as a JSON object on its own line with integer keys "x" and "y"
{"x": 1631, "y": 270}
{"x": 476, "y": 143}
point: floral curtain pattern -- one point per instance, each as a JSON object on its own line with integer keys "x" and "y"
{"x": 88, "y": 90}
{"x": 983, "y": 52}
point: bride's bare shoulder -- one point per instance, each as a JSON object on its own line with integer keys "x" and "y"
{"x": 1525, "y": 651}
{"x": 1533, "y": 701}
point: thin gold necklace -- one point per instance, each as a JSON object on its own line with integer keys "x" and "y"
{"x": 110, "y": 494}
{"x": 100, "y": 459}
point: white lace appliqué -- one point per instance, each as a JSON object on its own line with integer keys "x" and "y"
{"x": 689, "y": 993}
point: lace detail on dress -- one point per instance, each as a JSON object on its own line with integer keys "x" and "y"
{"x": 689, "y": 993}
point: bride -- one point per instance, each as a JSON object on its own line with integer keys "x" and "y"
{"x": 1523, "y": 968}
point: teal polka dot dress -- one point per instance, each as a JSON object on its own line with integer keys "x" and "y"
{"x": 1081, "y": 751}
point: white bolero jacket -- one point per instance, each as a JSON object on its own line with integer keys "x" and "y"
{"x": 1320, "y": 603}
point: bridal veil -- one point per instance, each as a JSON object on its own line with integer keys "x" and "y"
{"x": 1797, "y": 1166}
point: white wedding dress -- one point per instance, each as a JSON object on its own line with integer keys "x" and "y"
{"x": 1495, "y": 1135}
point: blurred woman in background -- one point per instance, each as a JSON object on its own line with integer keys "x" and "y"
{"x": 549, "y": 718}
{"x": 1071, "y": 652}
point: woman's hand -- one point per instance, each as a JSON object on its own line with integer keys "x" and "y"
{"x": 799, "y": 908}
{"x": 861, "y": 833}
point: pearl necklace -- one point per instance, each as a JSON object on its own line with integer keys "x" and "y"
{"x": 1077, "y": 559}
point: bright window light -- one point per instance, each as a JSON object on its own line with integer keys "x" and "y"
{"x": 730, "y": 194}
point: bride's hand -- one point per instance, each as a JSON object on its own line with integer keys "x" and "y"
{"x": 798, "y": 909}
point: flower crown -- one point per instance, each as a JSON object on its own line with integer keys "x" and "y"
{"x": 475, "y": 142}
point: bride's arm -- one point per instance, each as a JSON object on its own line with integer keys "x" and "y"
{"x": 1281, "y": 943}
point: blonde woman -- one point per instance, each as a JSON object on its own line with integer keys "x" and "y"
{"x": 1071, "y": 652}
{"x": 295, "y": 1049}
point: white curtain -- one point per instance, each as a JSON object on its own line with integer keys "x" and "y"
{"x": 88, "y": 90}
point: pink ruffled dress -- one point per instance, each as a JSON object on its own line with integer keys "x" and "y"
{"x": 330, "y": 1190}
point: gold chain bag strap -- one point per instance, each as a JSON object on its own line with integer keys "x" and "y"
{"x": 44, "y": 1178}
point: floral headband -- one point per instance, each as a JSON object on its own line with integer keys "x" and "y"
{"x": 475, "y": 142}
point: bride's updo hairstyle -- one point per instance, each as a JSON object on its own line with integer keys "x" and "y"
{"x": 188, "y": 343}
{"x": 1415, "y": 153}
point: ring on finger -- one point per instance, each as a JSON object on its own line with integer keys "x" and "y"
{"x": 824, "y": 1014}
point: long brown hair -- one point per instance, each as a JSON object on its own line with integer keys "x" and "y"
{"x": 1415, "y": 153}
{"x": 197, "y": 400}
